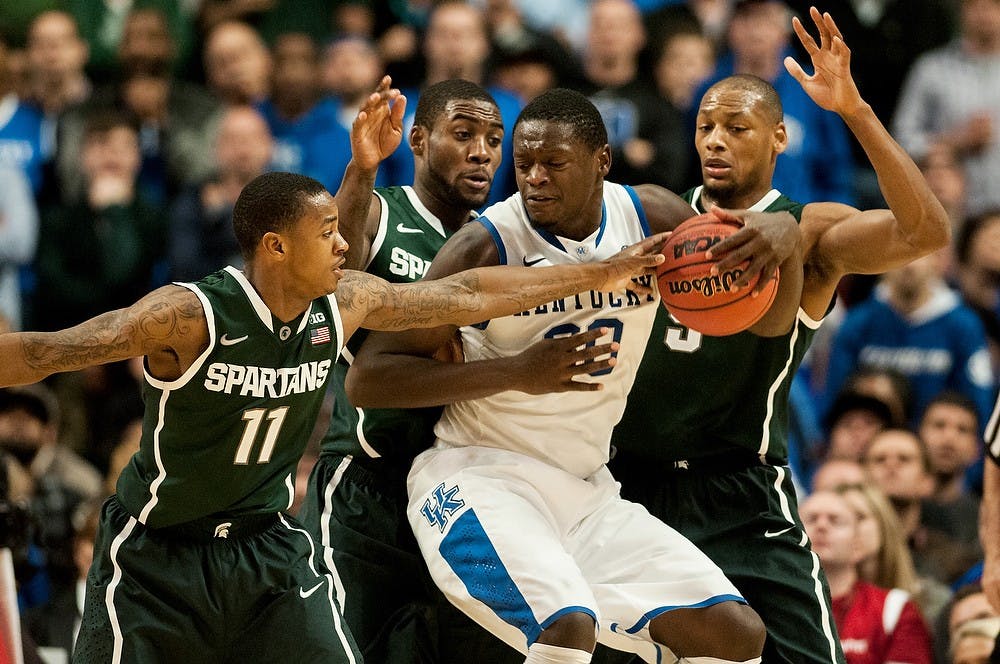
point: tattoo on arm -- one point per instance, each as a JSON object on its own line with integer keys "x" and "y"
{"x": 165, "y": 319}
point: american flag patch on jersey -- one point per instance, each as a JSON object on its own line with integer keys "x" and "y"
{"x": 320, "y": 335}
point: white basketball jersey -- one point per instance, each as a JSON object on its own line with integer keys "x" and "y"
{"x": 570, "y": 430}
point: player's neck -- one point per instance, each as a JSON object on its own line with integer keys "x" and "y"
{"x": 283, "y": 300}
{"x": 735, "y": 201}
{"x": 451, "y": 216}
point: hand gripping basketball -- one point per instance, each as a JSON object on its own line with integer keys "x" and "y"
{"x": 698, "y": 299}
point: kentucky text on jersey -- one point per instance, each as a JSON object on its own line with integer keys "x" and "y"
{"x": 595, "y": 300}
{"x": 267, "y": 381}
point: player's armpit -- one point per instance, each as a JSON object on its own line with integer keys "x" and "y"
{"x": 169, "y": 325}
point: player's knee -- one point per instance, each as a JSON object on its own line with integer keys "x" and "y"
{"x": 728, "y": 631}
{"x": 748, "y": 632}
{"x": 573, "y": 630}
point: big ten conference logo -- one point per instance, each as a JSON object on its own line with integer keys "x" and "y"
{"x": 441, "y": 505}
{"x": 696, "y": 245}
{"x": 316, "y": 318}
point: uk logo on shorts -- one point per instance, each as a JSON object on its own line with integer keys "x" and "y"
{"x": 439, "y": 508}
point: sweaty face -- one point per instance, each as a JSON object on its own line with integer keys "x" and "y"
{"x": 738, "y": 141}
{"x": 461, "y": 153}
{"x": 560, "y": 178}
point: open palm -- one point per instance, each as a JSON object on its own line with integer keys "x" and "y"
{"x": 831, "y": 85}
{"x": 378, "y": 129}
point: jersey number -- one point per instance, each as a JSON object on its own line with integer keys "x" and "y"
{"x": 569, "y": 329}
{"x": 254, "y": 417}
{"x": 682, "y": 339}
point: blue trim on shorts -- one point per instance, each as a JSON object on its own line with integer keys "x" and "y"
{"x": 639, "y": 210}
{"x": 501, "y": 249}
{"x": 569, "y": 609}
{"x": 649, "y": 615}
{"x": 471, "y": 555}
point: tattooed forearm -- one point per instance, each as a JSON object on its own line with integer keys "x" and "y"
{"x": 169, "y": 318}
{"x": 463, "y": 298}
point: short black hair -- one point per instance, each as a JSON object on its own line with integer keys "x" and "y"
{"x": 105, "y": 119}
{"x": 270, "y": 203}
{"x": 953, "y": 398}
{"x": 757, "y": 86}
{"x": 970, "y": 229}
{"x": 571, "y": 108}
{"x": 435, "y": 98}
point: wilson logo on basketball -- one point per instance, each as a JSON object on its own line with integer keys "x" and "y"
{"x": 696, "y": 245}
{"x": 707, "y": 286}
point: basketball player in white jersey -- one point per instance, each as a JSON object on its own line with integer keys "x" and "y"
{"x": 515, "y": 513}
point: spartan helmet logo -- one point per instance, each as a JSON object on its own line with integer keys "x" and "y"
{"x": 222, "y": 530}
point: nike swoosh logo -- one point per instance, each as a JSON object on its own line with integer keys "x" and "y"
{"x": 768, "y": 533}
{"x": 306, "y": 593}
{"x": 226, "y": 341}
{"x": 528, "y": 263}
{"x": 406, "y": 229}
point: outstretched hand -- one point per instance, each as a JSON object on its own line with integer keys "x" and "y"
{"x": 551, "y": 364}
{"x": 634, "y": 261}
{"x": 378, "y": 129}
{"x": 766, "y": 240}
{"x": 831, "y": 85}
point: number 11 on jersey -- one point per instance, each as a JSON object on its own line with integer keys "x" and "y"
{"x": 254, "y": 417}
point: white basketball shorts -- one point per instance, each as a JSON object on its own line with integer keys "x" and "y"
{"x": 516, "y": 543}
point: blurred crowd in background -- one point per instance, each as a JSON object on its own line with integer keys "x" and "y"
{"x": 129, "y": 127}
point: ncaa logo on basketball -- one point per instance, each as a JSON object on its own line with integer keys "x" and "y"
{"x": 696, "y": 245}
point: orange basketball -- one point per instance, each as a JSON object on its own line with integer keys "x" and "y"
{"x": 695, "y": 297}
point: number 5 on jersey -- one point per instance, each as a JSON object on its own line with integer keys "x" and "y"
{"x": 254, "y": 417}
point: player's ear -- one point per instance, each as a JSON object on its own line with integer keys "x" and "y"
{"x": 780, "y": 138}
{"x": 273, "y": 245}
{"x": 418, "y": 138}
{"x": 604, "y": 160}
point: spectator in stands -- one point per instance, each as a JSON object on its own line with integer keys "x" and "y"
{"x": 977, "y": 252}
{"x": 99, "y": 252}
{"x": 639, "y": 123}
{"x": 974, "y": 641}
{"x": 237, "y": 64}
{"x": 967, "y": 604}
{"x": 874, "y": 624}
{"x": 201, "y": 234}
{"x": 887, "y": 562}
{"x": 917, "y": 325}
{"x": 888, "y": 386}
{"x": 946, "y": 178}
{"x": 951, "y": 97}
{"x": 899, "y": 464}
{"x": 853, "y": 421}
{"x": 22, "y": 141}
{"x": 62, "y": 481}
{"x": 57, "y": 56}
{"x": 176, "y": 119}
{"x": 351, "y": 69}
{"x": 834, "y": 472}
{"x": 892, "y": 33}
{"x": 18, "y": 239}
{"x": 308, "y": 136}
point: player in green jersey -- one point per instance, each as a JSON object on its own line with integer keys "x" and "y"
{"x": 195, "y": 559}
{"x": 703, "y": 442}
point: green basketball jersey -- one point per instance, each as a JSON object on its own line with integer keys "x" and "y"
{"x": 697, "y": 396}
{"x": 225, "y": 438}
{"x": 408, "y": 239}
